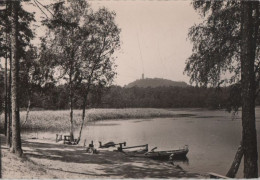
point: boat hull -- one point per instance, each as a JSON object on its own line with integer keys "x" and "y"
{"x": 168, "y": 155}
{"x": 162, "y": 155}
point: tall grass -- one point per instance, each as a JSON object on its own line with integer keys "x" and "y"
{"x": 59, "y": 120}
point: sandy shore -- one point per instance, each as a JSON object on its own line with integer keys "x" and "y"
{"x": 47, "y": 159}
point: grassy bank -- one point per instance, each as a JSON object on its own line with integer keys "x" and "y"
{"x": 59, "y": 120}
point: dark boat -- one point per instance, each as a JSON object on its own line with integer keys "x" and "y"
{"x": 107, "y": 145}
{"x": 111, "y": 144}
{"x": 162, "y": 155}
{"x": 132, "y": 150}
{"x": 168, "y": 155}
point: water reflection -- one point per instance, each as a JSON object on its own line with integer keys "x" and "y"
{"x": 141, "y": 120}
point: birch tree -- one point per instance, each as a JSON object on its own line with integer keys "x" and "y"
{"x": 228, "y": 42}
{"x": 98, "y": 67}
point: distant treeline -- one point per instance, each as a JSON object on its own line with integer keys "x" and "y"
{"x": 166, "y": 97}
{"x": 56, "y": 98}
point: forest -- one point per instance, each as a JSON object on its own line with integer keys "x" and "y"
{"x": 56, "y": 97}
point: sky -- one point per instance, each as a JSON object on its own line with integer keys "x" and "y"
{"x": 154, "y": 37}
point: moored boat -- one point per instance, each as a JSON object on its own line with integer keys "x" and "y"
{"x": 162, "y": 155}
{"x": 140, "y": 149}
{"x": 168, "y": 155}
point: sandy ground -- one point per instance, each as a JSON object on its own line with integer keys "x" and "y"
{"x": 47, "y": 159}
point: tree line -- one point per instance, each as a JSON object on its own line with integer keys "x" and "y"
{"x": 56, "y": 97}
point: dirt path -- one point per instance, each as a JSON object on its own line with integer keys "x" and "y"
{"x": 47, "y": 159}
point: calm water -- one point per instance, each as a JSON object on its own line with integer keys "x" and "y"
{"x": 213, "y": 137}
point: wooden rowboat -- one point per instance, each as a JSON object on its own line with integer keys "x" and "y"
{"x": 140, "y": 149}
{"x": 168, "y": 155}
{"x": 162, "y": 155}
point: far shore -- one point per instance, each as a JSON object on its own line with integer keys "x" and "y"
{"x": 47, "y": 159}
{"x": 58, "y": 120}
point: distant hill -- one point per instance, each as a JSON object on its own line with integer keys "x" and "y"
{"x": 155, "y": 82}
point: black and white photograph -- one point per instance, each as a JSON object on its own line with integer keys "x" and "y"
{"x": 129, "y": 89}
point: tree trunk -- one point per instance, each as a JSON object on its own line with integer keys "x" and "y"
{"x": 27, "y": 111}
{"x": 6, "y": 78}
{"x": 6, "y": 94}
{"x": 83, "y": 117}
{"x": 71, "y": 111}
{"x": 248, "y": 92}
{"x": 16, "y": 137}
{"x": 235, "y": 165}
{"x": 9, "y": 120}
{"x": 1, "y": 161}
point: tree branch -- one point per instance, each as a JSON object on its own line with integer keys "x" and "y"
{"x": 40, "y": 9}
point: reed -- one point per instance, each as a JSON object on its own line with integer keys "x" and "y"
{"x": 59, "y": 120}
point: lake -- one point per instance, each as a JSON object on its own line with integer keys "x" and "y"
{"x": 213, "y": 136}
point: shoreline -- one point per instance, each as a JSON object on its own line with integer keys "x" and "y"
{"x": 46, "y": 159}
{"x": 58, "y": 120}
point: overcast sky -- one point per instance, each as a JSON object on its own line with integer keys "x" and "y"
{"x": 161, "y": 27}
{"x": 153, "y": 36}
